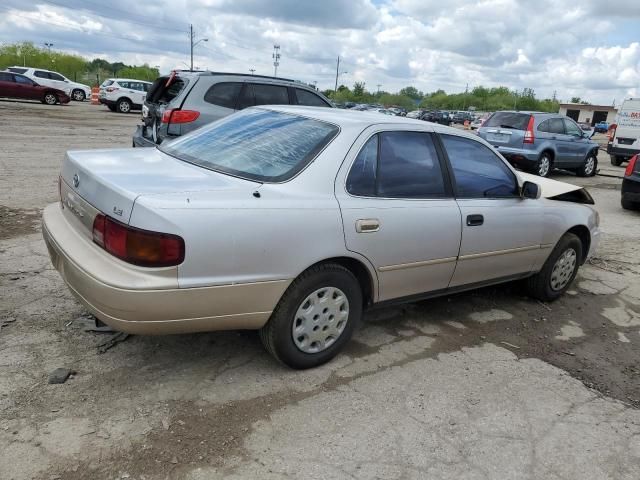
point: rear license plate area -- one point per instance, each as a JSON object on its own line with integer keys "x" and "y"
{"x": 497, "y": 137}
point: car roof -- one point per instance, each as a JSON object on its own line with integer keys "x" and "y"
{"x": 127, "y": 80}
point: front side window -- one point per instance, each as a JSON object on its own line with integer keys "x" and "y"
{"x": 310, "y": 99}
{"x": 572, "y": 128}
{"x": 397, "y": 165}
{"x": 270, "y": 94}
{"x": 224, "y": 94}
{"x": 478, "y": 172}
{"x": 256, "y": 144}
{"x": 41, "y": 74}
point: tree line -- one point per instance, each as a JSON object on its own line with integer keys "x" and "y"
{"x": 74, "y": 67}
{"x": 479, "y": 98}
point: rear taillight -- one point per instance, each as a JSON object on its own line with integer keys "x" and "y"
{"x": 111, "y": 89}
{"x": 529, "y": 137}
{"x": 137, "y": 246}
{"x": 631, "y": 167}
{"x": 611, "y": 133}
{"x": 179, "y": 116}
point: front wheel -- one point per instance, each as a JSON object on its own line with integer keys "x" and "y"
{"x": 50, "y": 99}
{"x": 543, "y": 168}
{"x": 558, "y": 271}
{"x": 78, "y": 95}
{"x": 315, "y": 317}
{"x": 588, "y": 168}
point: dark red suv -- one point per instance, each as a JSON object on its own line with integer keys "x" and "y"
{"x": 14, "y": 85}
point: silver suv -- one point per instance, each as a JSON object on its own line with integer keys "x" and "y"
{"x": 539, "y": 142}
{"x": 186, "y": 100}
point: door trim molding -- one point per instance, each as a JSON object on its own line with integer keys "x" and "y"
{"x": 473, "y": 256}
{"x": 424, "y": 263}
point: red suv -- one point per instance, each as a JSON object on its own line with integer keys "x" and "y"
{"x": 14, "y": 85}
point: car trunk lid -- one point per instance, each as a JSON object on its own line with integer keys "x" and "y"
{"x": 111, "y": 180}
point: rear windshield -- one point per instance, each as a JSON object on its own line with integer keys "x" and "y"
{"x": 517, "y": 121}
{"x": 159, "y": 92}
{"x": 255, "y": 144}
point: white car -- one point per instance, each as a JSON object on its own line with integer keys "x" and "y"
{"x": 77, "y": 91}
{"x": 123, "y": 94}
{"x": 293, "y": 219}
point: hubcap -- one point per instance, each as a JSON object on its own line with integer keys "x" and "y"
{"x": 124, "y": 107}
{"x": 563, "y": 269}
{"x": 78, "y": 95}
{"x": 589, "y": 166}
{"x": 50, "y": 99}
{"x": 543, "y": 167}
{"x": 320, "y": 320}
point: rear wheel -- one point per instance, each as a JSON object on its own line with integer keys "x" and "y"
{"x": 124, "y": 105}
{"x": 616, "y": 161}
{"x": 558, "y": 271}
{"x": 78, "y": 95}
{"x": 589, "y": 167}
{"x": 543, "y": 167}
{"x": 315, "y": 317}
{"x": 50, "y": 99}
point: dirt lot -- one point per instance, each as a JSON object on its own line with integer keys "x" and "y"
{"x": 487, "y": 384}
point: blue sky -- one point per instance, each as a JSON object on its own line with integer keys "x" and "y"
{"x": 588, "y": 49}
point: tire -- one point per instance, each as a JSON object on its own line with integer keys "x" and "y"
{"x": 544, "y": 165}
{"x": 78, "y": 95}
{"x": 341, "y": 290}
{"x": 124, "y": 105}
{"x": 628, "y": 204}
{"x": 50, "y": 98}
{"x": 554, "y": 279}
{"x": 589, "y": 167}
{"x": 616, "y": 161}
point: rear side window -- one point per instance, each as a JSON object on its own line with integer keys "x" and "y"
{"x": 255, "y": 144}
{"x": 22, "y": 79}
{"x": 6, "y": 77}
{"x": 270, "y": 94}
{"x": 478, "y": 172}
{"x": 123, "y": 84}
{"x": 56, "y": 76}
{"x": 556, "y": 125}
{"x": 517, "y": 121}
{"x": 310, "y": 99}
{"x": 41, "y": 74}
{"x": 17, "y": 70}
{"x": 224, "y": 94}
{"x": 397, "y": 165}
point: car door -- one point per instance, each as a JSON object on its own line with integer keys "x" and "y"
{"x": 398, "y": 210}
{"x": 27, "y": 88}
{"x": 42, "y": 77}
{"x": 7, "y": 85}
{"x": 501, "y": 232}
{"x": 563, "y": 143}
{"x": 58, "y": 81}
{"x": 579, "y": 144}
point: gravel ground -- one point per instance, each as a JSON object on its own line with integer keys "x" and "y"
{"x": 482, "y": 385}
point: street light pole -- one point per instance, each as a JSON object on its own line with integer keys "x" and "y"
{"x": 193, "y": 44}
{"x": 335, "y": 90}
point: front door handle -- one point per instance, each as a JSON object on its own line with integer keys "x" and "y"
{"x": 367, "y": 225}
{"x": 474, "y": 220}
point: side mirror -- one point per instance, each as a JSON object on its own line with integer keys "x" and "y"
{"x": 530, "y": 190}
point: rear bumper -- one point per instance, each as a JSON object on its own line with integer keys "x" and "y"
{"x": 148, "y": 301}
{"x": 631, "y": 189}
{"x": 139, "y": 140}
{"x": 520, "y": 157}
{"x": 622, "y": 152}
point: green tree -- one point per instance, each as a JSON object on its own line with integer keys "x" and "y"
{"x": 358, "y": 89}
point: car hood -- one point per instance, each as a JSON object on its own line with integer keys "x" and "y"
{"x": 555, "y": 190}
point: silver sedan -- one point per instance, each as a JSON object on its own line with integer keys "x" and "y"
{"x": 293, "y": 220}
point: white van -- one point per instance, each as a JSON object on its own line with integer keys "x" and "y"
{"x": 624, "y": 135}
{"x": 77, "y": 91}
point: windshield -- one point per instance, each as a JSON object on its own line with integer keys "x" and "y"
{"x": 256, "y": 144}
{"x": 517, "y": 121}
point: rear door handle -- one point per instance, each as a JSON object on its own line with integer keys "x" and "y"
{"x": 367, "y": 225}
{"x": 474, "y": 220}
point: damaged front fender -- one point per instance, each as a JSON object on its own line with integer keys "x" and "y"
{"x": 561, "y": 191}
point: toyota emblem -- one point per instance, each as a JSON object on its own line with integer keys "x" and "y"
{"x": 76, "y": 180}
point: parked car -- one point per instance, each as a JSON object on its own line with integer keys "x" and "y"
{"x": 624, "y": 135}
{"x": 123, "y": 94}
{"x": 630, "y": 197}
{"x": 461, "y": 117}
{"x": 292, "y": 220}
{"x": 478, "y": 122}
{"x": 184, "y": 101}
{"x": 540, "y": 142}
{"x": 436, "y": 117}
{"x": 14, "y": 85}
{"x": 415, "y": 113}
{"x": 47, "y": 78}
{"x": 601, "y": 127}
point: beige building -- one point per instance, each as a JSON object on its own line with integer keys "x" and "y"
{"x": 591, "y": 114}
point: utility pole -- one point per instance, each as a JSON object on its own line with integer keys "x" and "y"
{"x": 252, "y": 70}
{"x": 464, "y": 101}
{"x": 378, "y": 85}
{"x": 276, "y": 59}
{"x": 193, "y": 43}
{"x": 554, "y": 98}
{"x": 515, "y": 100}
{"x": 337, "y": 73}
